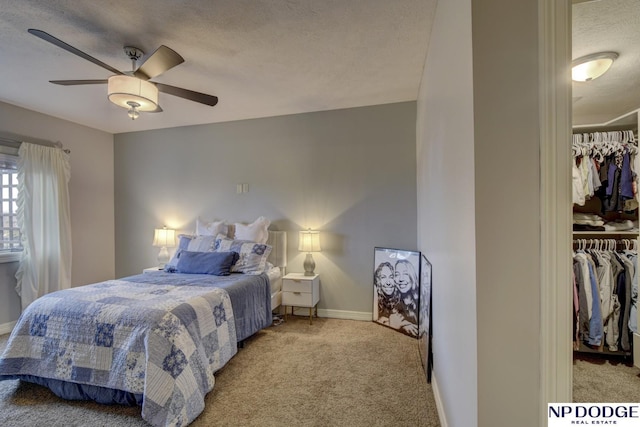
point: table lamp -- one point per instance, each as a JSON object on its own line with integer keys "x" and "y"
{"x": 309, "y": 242}
{"x": 164, "y": 238}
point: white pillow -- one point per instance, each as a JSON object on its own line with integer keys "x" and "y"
{"x": 212, "y": 228}
{"x": 254, "y": 232}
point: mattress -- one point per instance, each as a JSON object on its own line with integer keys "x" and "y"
{"x": 275, "y": 286}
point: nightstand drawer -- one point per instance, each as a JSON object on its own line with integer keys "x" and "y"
{"x": 295, "y": 285}
{"x": 298, "y": 299}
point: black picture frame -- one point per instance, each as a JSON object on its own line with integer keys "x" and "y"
{"x": 396, "y": 289}
{"x": 425, "y": 332}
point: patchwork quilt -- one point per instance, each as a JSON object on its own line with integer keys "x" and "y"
{"x": 161, "y": 341}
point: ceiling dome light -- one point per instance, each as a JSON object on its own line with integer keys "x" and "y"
{"x": 592, "y": 66}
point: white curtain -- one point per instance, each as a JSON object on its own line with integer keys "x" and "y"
{"x": 45, "y": 221}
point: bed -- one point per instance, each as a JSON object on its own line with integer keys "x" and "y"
{"x": 153, "y": 339}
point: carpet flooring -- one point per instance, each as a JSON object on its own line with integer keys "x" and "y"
{"x": 605, "y": 379}
{"x": 332, "y": 373}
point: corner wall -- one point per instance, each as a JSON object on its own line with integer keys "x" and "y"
{"x": 508, "y": 210}
{"x": 478, "y": 134}
{"x": 446, "y": 208}
{"x": 91, "y": 195}
{"x": 349, "y": 173}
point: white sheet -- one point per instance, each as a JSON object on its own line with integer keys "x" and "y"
{"x": 275, "y": 282}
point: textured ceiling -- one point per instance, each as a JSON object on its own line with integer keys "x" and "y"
{"x": 268, "y": 57}
{"x": 602, "y": 26}
{"x": 260, "y": 57}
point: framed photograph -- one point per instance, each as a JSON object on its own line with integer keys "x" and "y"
{"x": 424, "y": 327}
{"x": 396, "y": 295}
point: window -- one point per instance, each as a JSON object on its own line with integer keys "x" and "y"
{"x": 9, "y": 230}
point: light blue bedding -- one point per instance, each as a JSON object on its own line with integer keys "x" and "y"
{"x": 158, "y": 337}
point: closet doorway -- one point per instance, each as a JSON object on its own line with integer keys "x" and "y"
{"x": 605, "y": 117}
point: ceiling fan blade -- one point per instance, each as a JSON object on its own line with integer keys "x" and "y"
{"x": 161, "y": 60}
{"x": 49, "y": 38}
{"x": 202, "y": 98}
{"x": 157, "y": 110}
{"x": 78, "y": 82}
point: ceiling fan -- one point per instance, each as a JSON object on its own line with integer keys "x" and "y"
{"x": 134, "y": 90}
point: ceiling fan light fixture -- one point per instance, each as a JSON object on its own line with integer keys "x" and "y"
{"x": 133, "y": 111}
{"x": 125, "y": 91}
{"x": 592, "y": 66}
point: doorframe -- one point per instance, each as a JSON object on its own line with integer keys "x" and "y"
{"x": 556, "y": 296}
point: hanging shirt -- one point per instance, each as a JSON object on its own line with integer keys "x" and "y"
{"x": 633, "y": 312}
{"x": 626, "y": 177}
{"x": 578, "y": 186}
{"x": 595, "y": 323}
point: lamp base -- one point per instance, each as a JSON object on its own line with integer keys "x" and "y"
{"x": 163, "y": 257}
{"x": 309, "y": 265}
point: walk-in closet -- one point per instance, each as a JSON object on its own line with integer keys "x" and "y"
{"x": 606, "y": 198}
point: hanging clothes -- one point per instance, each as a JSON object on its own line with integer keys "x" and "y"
{"x": 606, "y": 166}
{"x": 605, "y": 289}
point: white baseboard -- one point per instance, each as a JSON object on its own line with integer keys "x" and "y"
{"x": 343, "y": 314}
{"x": 332, "y": 314}
{"x": 6, "y": 328}
{"x": 439, "y": 405}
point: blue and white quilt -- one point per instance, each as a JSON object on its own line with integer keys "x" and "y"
{"x": 161, "y": 341}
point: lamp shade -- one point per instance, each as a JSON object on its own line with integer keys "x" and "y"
{"x": 309, "y": 241}
{"x": 164, "y": 237}
{"x": 592, "y": 66}
{"x": 123, "y": 89}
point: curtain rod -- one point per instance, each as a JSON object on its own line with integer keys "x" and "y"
{"x": 45, "y": 143}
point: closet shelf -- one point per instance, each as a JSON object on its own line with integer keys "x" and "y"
{"x": 607, "y": 233}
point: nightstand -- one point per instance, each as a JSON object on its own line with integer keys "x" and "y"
{"x": 152, "y": 269}
{"x": 299, "y": 290}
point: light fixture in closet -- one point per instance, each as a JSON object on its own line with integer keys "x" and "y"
{"x": 590, "y": 67}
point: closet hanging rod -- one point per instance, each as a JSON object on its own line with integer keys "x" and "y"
{"x": 16, "y": 143}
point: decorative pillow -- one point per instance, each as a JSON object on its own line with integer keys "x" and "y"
{"x": 216, "y": 263}
{"x": 201, "y": 244}
{"x": 252, "y": 256}
{"x": 254, "y": 232}
{"x": 183, "y": 245}
{"x": 189, "y": 243}
{"x": 212, "y": 228}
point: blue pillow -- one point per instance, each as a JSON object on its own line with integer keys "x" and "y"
{"x": 183, "y": 245}
{"x": 216, "y": 263}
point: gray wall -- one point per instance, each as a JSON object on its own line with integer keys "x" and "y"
{"x": 349, "y": 173}
{"x": 507, "y": 173}
{"x": 90, "y": 193}
{"x": 446, "y": 208}
{"x": 479, "y": 210}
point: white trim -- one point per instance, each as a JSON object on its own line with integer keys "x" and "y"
{"x": 555, "y": 193}
{"x": 343, "y": 314}
{"x": 611, "y": 122}
{"x": 439, "y": 405}
{"x": 334, "y": 314}
{"x": 6, "y": 328}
